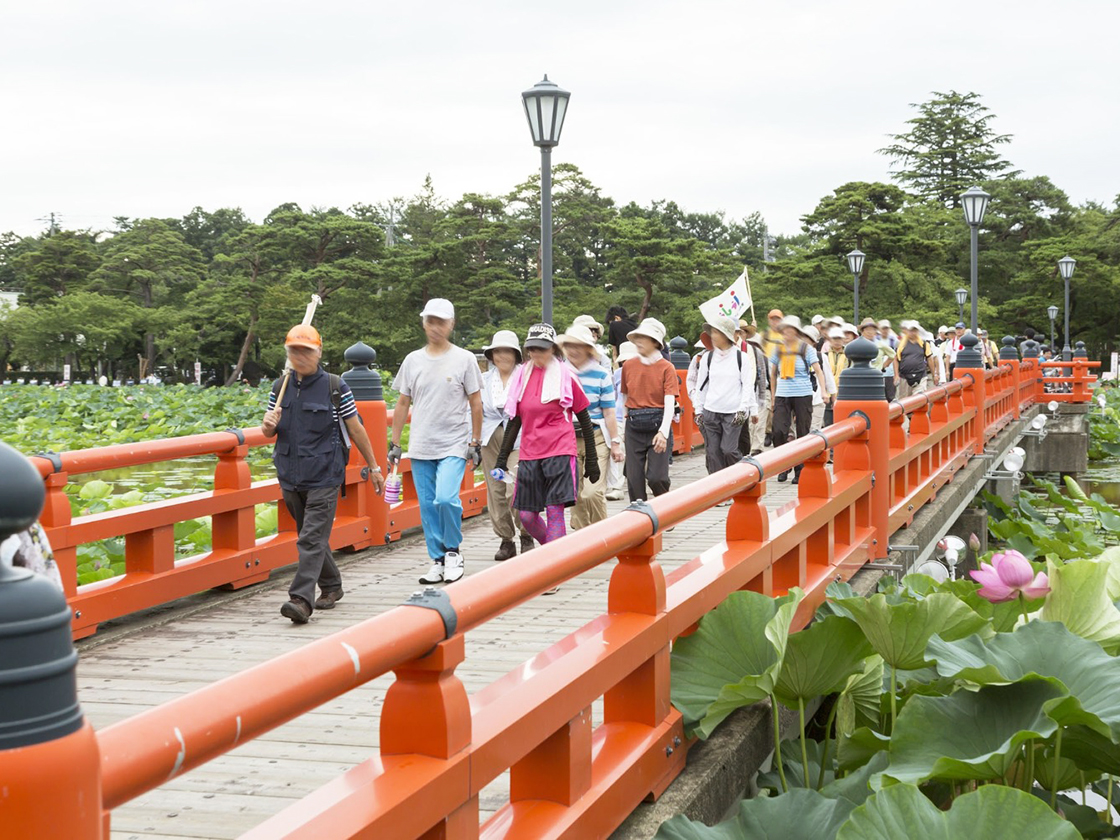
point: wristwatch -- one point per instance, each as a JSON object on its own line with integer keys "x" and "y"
{"x": 616, "y": 439}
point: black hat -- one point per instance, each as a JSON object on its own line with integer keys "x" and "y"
{"x": 542, "y": 336}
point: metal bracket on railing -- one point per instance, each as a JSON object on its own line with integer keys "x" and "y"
{"x": 240, "y": 435}
{"x": 903, "y": 547}
{"x": 53, "y": 457}
{"x": 749, "y": 459}
{"x": 866, "y": 419}
{"x": 900, "y": 405}
{"x": 436, "y": 599}
{"x": 642, "y": 506}
{"x": 822, "y": 436}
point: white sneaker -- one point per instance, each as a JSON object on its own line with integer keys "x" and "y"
{"x": 452, "y": 566}
{"x": 435, "y": 574}
{"x": 614, "y": 495}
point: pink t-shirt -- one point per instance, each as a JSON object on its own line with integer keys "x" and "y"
{"x": 546, "y": 430}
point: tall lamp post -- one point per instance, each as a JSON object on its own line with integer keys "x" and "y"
{"x": 855, "y": 265}
{"x": 962, "y": 296}
{"x": 1066, "y": 265}
{"x": 545, "y": 107}
{"x": 1052, "y": 311}
{"x": 974, "y": 201}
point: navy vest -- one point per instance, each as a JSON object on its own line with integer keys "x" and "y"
{"x": 309, "y": 451}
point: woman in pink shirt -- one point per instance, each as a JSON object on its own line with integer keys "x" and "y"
{"x": 543, "y": 396}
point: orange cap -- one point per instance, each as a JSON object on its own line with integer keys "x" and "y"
{"x": 775, "y": 313}
{"x": 304, "y": 335}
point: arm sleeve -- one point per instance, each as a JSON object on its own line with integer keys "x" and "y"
{"x": 587, "y": 430}
{"x": 513, "y": 429}
{"x": 746, "y": 384}
{"x": 667, "y": 415}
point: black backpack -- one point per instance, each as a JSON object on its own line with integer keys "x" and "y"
{"x": 738, "y": 358}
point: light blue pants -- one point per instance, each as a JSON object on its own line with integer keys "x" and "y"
{"x": 441, "y": 513}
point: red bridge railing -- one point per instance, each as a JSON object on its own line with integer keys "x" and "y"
{"x": 440, "y": 747}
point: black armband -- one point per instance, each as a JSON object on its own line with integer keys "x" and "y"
{"x": 587, "y": 429}
{"x": 513, "y": 429}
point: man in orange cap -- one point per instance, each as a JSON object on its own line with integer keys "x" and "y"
{"x": 313, "y": 424}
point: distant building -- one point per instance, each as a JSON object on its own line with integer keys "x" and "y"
{"x": 9, "y": 299}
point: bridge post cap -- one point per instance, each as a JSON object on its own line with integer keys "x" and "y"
{"x": 1008, "y": 350}
{"x": 861, "y": 352}
{"x": 1031, "y": 350}
{"x": 861, "y": 382}
{"x": 969, "y": 357}
{"x": 360, "y": 354}
{"x": 678, "y": 343}
{"x": 38, "y": 691}
{"x": 1079, "y": 351}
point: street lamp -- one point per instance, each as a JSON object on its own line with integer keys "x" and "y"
{"x": 1066, "y": 265}
{"x": 855, "y": 265}
{"x": 1052, "y": 311}
{"x": 545, "y": 107}
{"x": 974, "y": 201}
{"x": 962, "y": 296}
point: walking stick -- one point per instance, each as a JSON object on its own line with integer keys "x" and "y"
{"x": 307, "y": 316}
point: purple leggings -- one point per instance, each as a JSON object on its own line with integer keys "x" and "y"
{"x": 537, "y": 528}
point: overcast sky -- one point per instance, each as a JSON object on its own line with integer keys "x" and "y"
{"x": 151, "y": 108}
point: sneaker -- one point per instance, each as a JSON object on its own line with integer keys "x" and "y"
{"x": 452, "y": 566}
{"x": 796, "y": 478}
{"x": 756, "y": 452}
{"x": 527, "y": 543}
{"x": 783, "y": 476}
{"x": 296, "y": 609}
{"x": 551, "y": 591}
{"x": 505, "y": 551}
{"x": 434, "y": 575}
{"x": 614, "y": 496}
{"x": 327, "y": 600}
{"x": 768, "y": 440}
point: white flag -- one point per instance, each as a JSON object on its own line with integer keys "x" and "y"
{"x": 732, "y": 302}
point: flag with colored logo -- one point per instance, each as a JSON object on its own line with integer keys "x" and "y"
{"x": 732, "y": 302}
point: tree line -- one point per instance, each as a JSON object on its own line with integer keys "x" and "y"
{"x": 220, "y": 288}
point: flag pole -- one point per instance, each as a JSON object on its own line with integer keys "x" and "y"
{"x": 750, "y": 294}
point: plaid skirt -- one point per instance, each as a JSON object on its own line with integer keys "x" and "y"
{"x": 545, "y": 481}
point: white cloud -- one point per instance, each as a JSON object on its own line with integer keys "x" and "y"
{"x": 145, "y": 109}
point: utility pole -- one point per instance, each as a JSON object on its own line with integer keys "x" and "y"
{"x": 54, "y": 221}
{"x": 390, "y": 226}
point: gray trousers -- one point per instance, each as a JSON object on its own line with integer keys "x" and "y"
{"x": 721, "y": 440}
{"x": 313, "y": 511}
{"x": 644, "y": 464}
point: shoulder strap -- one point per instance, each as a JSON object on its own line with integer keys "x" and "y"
{"x": 708, "y": 354}
{"x": 335, "y": 382}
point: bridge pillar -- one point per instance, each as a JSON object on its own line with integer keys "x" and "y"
{"x": 365, "y": 383}
{"x": 1008, "y": 355}
{"x": 861, "y": 392}
{"x": 970, "y": 366}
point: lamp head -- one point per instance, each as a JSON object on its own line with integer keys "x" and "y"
{"x": 974, "y": 202}
{"x": 545, "y": 107}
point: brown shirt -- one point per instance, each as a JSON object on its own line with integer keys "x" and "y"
{"x": 645, "y": 386}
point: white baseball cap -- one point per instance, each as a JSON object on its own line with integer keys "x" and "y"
{"x": 439, "y": 308}
{"x": 835, "y": 332}
{"x": 817, "y": 319}
{"x": 884, "y": 323}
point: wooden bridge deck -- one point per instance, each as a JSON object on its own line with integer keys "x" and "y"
{"x": 143, "y": 661}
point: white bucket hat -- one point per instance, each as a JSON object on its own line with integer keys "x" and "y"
{"x": 577, "y": 334}
{"x": 503, "y": 340}
{"x": 795, "y": 322}
{"x": 650, "y": 328}
{"x": 836, "y": 332}
{"x": 626, "y": 351}
{"x": 813, "y": 333}
{"x": 723, "y": 324}
{"x": 439, "y": 308}
{"x": 587, "y": 321}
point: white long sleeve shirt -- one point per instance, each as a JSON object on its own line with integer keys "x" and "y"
{"x": 728, "y": 389}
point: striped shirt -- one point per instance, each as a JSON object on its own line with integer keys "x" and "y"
{"x": 346, "y": 406}
{"x": 598, "y": 384}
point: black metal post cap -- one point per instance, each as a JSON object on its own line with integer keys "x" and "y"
{"x": 1008, "y": 351}
{"x": 860, "y": 381}
{"x": 969, "y": 357}
{"x": 364, "y": 381}
{"x": 1031, "y": 350}
{"x": 1079, "y": 351}
{"x": 678, "y": 352}
{"x": 38, "y": 687}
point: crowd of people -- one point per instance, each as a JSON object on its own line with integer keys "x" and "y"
{"x": 564, "y": 421}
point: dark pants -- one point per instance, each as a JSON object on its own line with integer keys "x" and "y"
{"x": 889, "y": 387}
{"x": 644, "y": 465}
{"x": 313, "y": 511}
{"x": 792, "y": 411}
{"x": 721, "y": 441}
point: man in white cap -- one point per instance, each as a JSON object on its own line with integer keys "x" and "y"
{"x": 887, "y": 334}
{"x": 916, "y": 361}
{"x": 440, "y": 383}
{"x": 651, "y": 387}
{"x": 725, "y": 396}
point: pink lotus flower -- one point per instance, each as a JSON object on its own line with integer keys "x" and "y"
{"x": 1008, "y": 576}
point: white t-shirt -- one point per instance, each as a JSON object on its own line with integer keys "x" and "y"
{"x": 439, "y": 387}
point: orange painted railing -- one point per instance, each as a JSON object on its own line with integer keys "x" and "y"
{"x": 440, "y": 747}
{"x": 237, "y": 558}
{"x": 686, "y": 434}
{"x": 1068, "y": 381}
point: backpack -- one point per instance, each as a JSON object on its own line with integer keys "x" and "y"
{"x": 803, "y": 352}
{"x": 738, "y": 358}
